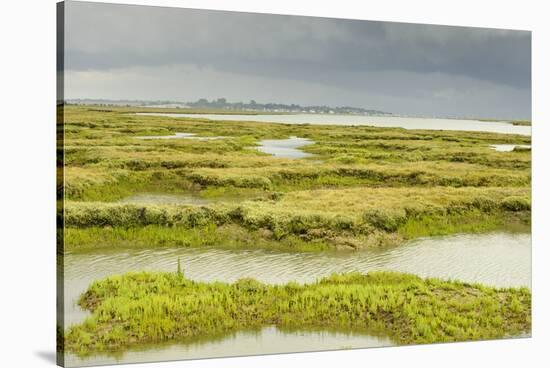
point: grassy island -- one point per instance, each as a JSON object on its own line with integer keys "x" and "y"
{"x": 141, "y": 308}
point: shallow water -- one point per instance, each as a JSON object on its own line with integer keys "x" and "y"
{"x": 507, "y": 147}
{"x": 155, "y": 198}
{"x": 193, "y": 198}
{"x": 496, "y": 259}
{"x": 287, "y": 148}
{"x": 268, "y": 340}
{"x": 179, "y": 136}
{"x": 378, "y": 121}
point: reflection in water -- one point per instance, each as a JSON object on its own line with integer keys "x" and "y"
{"x": 378, "y": 121}
{"x": 507, "y": 147}
{"x": 268, "y": 340}
{"x": 497, "y": 259}
{"x": 287, "y": 148}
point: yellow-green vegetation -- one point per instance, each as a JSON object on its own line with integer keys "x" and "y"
{"x": 149, "y": 236}
{"x": 522, "y": 122}
{"x": 351, "y": 217}
{"x": 139, "y": 308}
{"x": 363, "y": 186}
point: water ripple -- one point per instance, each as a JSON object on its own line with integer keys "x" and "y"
{"x": 497, "y": 259}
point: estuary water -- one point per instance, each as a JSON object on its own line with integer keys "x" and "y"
{"x": 497, "y": 259}
{"x": 287, "y": 148}
{"x": 377, "y": 121}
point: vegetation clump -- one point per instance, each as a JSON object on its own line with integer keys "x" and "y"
{"x": 344, "y": 218}
{"x": 139, "y": 308}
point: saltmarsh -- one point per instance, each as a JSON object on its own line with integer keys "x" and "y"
{"x": 139, "y": 308}
{"x": 362, "y": 186}
{"x": 345, "y": 218}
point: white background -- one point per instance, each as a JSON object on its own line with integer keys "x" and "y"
{"x": 27, "y": 180}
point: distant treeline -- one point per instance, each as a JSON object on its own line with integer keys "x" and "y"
{"x": 223, "y": 104}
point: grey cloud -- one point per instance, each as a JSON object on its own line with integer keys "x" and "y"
{"x": 400, "y": 64}
{"x": 107, "y": 35}
{"x": 402, "y": 92}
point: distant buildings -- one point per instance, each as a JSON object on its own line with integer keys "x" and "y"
{"x": 222, "y": 104}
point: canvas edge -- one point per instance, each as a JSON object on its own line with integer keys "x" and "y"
{"x": 60, "y": 162}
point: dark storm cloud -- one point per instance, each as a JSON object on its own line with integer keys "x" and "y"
{"x": 107, "y": 35}
{"x": 347, "y": 54}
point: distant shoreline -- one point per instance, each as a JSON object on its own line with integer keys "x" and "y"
{"x": 144, "y": 107}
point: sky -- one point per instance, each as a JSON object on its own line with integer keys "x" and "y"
{"x": 132, "y": 52}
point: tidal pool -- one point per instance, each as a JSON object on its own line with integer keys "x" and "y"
{"x": 194, "y": 198}
{"x": 287, "y": 148}
{"x": 378, "y": 121}
{"x": 156, "y": 198}
{"x": 179, "y": 136}
{"x": 495, "y": 259}
{"x": 508, "y": 147}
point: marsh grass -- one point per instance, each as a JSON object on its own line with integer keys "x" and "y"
{"x": 338, "y": 218}
{"x": 179, "y": 271}
{"x": 138, "y": 308}
{"x": 229, "y": 236}
{"x": 365, "y": 186}
{"x": 103, "y": 144}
